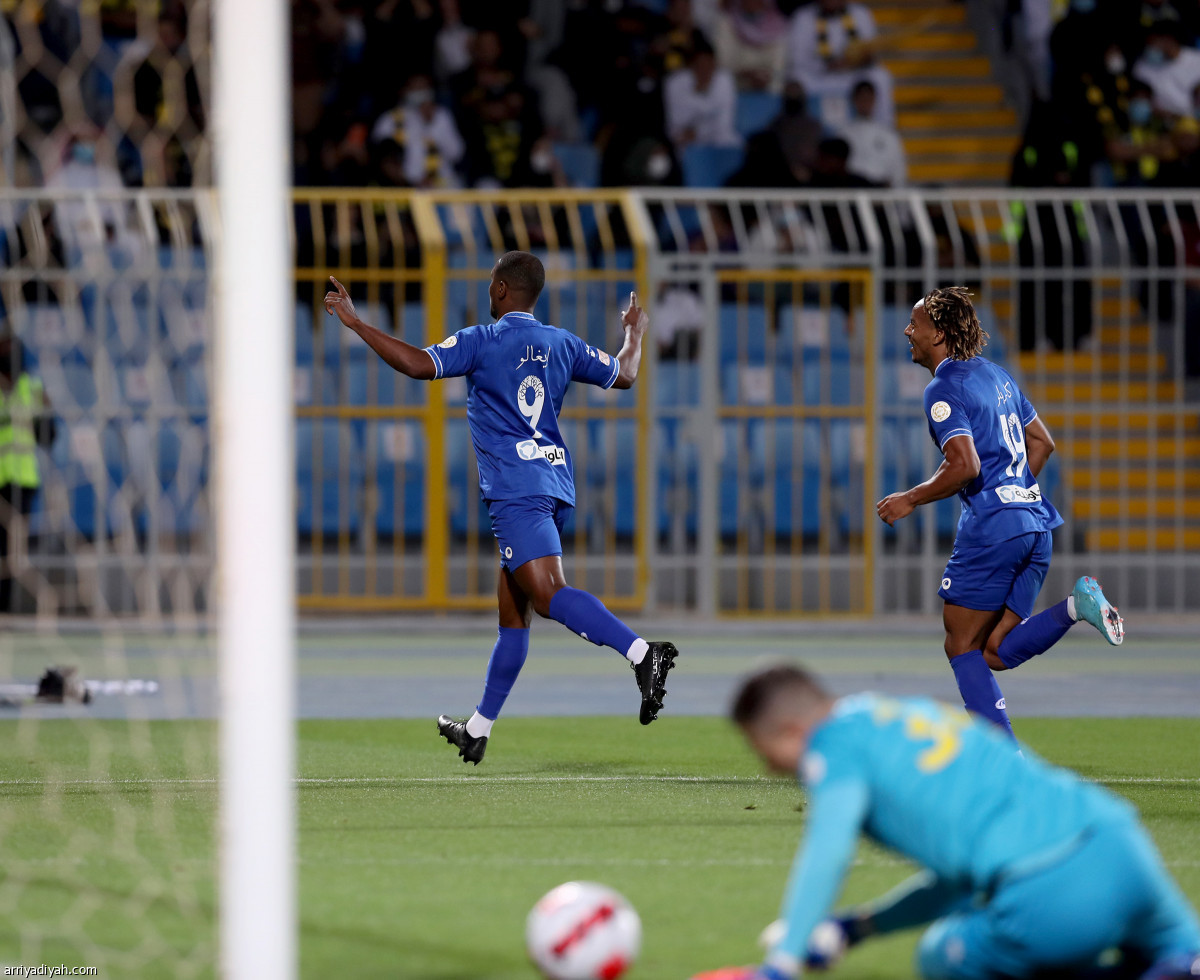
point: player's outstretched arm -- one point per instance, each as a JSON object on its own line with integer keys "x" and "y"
{"x": 414, "y": 362}
{"x": 636, "y": 322}
{"x": 1039, "y": 444}
{"x": 959, "y": 468}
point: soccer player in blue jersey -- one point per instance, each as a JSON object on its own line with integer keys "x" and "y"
{"x": 517, "y": 372}
{"x": 994, "y": 446}
{"x": 1026, "y": 868}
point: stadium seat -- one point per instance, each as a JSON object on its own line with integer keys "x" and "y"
{"x": 72, "y": 381}
{"x": 127, "y": 324}
{"x": 891, "y": 331}
{"x": 184, "y": 317}
{"x": 811, "y": 329}
{"x": 305, "y": 337}
{"x": 339, "y": 344}
{"x": 709, "y": 166}
{"x": 756, "y": 111}
{"x": 621, "y": 455}
{"x": 182, "y": 467}
{"x": 411, "y": 327}
{"x": 188, "y": 382}
{"x": 331, "y": 446}
{"x": 743, "y": 333}
{"x": 796, "y": 477}
{"x": 580, "y": 163}
{"x": 400, "y": 478}
{"x": 462, "y": 478}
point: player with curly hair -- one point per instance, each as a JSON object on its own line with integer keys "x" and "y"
{"x": 994, "y": 446}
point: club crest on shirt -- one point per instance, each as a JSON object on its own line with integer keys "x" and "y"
{"x": 939, "y": 412}
{"x": 449, "y": 342}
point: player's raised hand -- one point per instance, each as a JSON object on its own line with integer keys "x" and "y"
{"x": 635, "y": 318}
{"x": 894, "y": 507}
{"x": 339, "y": 304}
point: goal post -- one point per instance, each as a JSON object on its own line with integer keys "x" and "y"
{"x": 254, "y": 493}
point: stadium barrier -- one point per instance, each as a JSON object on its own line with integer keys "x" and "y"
{"x": 777, "y": 400}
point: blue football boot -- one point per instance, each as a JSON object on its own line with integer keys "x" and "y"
{"x": 1092, "y": 607}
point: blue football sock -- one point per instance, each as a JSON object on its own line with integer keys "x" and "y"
{"x": 1035, "y": 635}
{"x": 980, "y": 692}
{"x": 508, "y": 657}
{"x": 582, "y": 613}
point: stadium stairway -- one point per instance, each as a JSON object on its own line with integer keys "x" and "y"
{"x": 951, "y": 114}
{"x": 1119, "y": 498}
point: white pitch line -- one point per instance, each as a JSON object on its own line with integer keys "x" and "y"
{"x": 533, "y": 780}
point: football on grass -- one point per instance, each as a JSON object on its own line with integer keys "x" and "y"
{"x": 583, "y": 931}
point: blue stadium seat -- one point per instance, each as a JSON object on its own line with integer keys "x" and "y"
{"x": 709, "y": 166}
{"x": 184, "y": 317}
{"x": 127, "y": 325}
{"x": 890, "y": 333}
{"x": 678, "y": 477}
{"x": 743, "y": 333}
{"x": 332, "y": 446}
{"x": 305, "y": 339}
{"x": 756, "y": 111}
{"x": 189, "y": 383}
{"x": 797, "y": 477}
{"x": 623, "y": 465}
{"x": 182, "y": 467}
{"x": 170, "y": 257}
{"x": 338, "y": 344}
{"x": 79, "y": 376}
{"x": 809, "y": 330}
{"x": 411, "y": 327}
{"x": 463, "y": 488}
{"x": 580, "y": 163}
{"x": 399, "y": 470}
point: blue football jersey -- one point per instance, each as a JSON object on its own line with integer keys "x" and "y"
{"x": 940, "y": 788}
{"x": 980, "y": 399}
{"x": 517, "y": 372}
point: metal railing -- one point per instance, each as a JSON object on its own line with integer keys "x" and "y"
{"x": 777, "y": 400}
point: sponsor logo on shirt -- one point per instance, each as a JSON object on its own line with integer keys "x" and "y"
{"x": 939, "y": 412}
{"x": 449, "y": 342}
{"x": 605, "y": 359}
{"x": 1011, "y": 493}
{"x": 554, "y": 455}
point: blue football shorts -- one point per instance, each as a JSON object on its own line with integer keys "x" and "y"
{"x": 1008, "y": 574}
{"x": 528, "y": 527}
{"x": 1111, "y": 890}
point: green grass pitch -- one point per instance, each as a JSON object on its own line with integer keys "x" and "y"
{"x": 415, "y": 866}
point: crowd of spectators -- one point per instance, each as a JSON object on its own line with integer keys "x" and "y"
{"x": 464, "y": 93}
{"x": 639, "y": 81}
{"x": 1120, "y": 101}
{"x": 486, "y": 93}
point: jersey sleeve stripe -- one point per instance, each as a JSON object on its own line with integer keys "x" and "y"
{"x": 955, "y": 432}
{"x": 1032, "y": 416}
{"x": 616, "y": 373}
{"x": 437, "y": 362}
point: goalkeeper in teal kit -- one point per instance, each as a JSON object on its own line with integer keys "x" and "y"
{"x": 1028, "y": 869}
